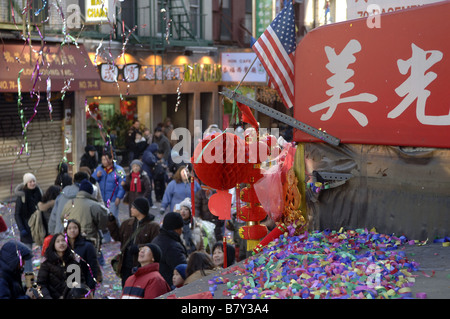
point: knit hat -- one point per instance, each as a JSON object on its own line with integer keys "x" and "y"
{"x": 89, "y": 148}
{"x": 181, "y": 268}
{"x": 142, "y": 205}
{"x": 28, "y": 177}
{"x": 156, "y": 251}
{"x": 173, "y": 221}
{"x": 136, "y": 161}
{"x": 86, "y": 186}
{"x": 186, "y": 203}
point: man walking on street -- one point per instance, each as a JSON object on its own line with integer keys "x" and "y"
{"x": 110, "y": 176}
{"x": 68, "y": 193}
{"x": 169, "y": 240}
{"x": 163, "y": 142}
{"x": 137, "y": 230}
{"x": 92, "y": 215}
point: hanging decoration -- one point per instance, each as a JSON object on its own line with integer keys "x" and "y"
{"x": 219, "y": 162}
{"x": 94, "y": 111}
{"x": 252, "y": 212}
{"x": 128, "y": 108}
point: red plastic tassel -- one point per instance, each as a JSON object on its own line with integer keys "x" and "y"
{"x": 225, "y": 265}
{"x": 238, "y": 199}
{"x": 192, "y": 196}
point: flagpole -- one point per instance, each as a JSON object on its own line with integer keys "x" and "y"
{"x": 248, "y": 70}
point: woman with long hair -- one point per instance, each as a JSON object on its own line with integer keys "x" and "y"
{"x": 86, "y": 251}
{"x": 199, "y": 265}
{"x": 53, "y": 274}
{"x": 29, "y": 194}
{"x": 178, "y": 189}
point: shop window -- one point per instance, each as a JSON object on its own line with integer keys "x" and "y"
{"x": 103, "y": 113}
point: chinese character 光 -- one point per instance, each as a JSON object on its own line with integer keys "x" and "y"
{"x": 338, "y": 65}
{"x": 414, "y": 87}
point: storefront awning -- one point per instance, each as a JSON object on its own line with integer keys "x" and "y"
{"x": 51, "y": 67}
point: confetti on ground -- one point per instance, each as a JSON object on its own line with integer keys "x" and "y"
{"x": 352, "y": 264}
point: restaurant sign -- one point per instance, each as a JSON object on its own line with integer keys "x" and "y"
{"x": 194, "y": 72}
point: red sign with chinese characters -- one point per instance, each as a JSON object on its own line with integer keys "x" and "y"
{"x": 383, "y": 80}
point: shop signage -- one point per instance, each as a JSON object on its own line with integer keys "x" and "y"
{"x": 193, "y": 72}
{"x": 263, "y": 16}
{"x": 133, "y": 72}
{"x": 385, "y": 85}
{"x": 202, "y": 72}
{"x": 110, "y": 73}
{"x": 97, "y": 10}
{"x": 160, "y": 73}
{"x": 63, "y": 67}
{"x": 236, "y": 64}
{"x": 360, "y": 9}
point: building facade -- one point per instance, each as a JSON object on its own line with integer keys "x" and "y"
{"x": 72, "y": 71}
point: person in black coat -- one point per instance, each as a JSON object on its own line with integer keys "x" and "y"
{"x": 169, "y": 241}
{"x": 85, "y": 249}
{"x": 148, "y": 164}
{"x": 63, "y": 178}
{"x": 11, "y": 255}
{"x": 53, "y": 274}
{"x": 29, "y": 194}
{"x": 138, "y": 230}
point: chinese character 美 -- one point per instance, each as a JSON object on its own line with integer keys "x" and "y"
{"x": 338, "y": 65}
{"x": 414, "y": 87}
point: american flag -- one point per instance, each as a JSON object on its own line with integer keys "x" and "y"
{"x": 275, "y": 49}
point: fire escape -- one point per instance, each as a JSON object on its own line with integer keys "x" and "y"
{"x": 175, "y": 26}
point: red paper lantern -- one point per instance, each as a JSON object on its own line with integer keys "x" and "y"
{"x": 253, "y": 213}
{"x": 249, "y": 213}
{"x": 219, "y": 161}
{"x": 253, "y": 232}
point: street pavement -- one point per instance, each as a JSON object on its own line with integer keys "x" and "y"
{"x": 433, "y": 277}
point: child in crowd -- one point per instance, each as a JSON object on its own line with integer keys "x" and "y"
{"x": 179, "y": 276}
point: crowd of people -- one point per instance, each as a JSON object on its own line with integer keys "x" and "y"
{"x": 75, "y": 217}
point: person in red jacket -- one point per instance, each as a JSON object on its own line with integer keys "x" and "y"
{"x": 146, "y": 282}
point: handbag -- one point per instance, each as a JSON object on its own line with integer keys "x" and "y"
{"x": 116, "y": 264}
{"x": 117, "y": 260}
{"x": 36, "y": 224}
